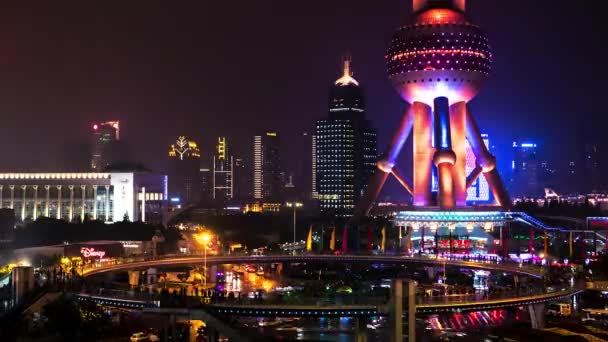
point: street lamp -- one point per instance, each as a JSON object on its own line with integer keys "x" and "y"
{"x": 294, "y": 205}
{"x": 205, "y": 239}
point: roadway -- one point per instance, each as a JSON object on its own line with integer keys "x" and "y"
{"x": 260, "y": 309}
{"x": 139, "y": 264}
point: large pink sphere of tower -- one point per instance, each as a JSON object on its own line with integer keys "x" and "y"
{"x": 438, "y": 53}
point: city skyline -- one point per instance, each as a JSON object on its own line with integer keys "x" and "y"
{"x": 174, "y": 102}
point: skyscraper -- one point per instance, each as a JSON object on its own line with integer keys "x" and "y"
{"x": 267, "y": 178}
{"x": 243, "y": 179}
{"x": 184, "y": 171}
{"x": 105, "y": 135}
{"x": 345, "y": 146}
{"x": 526, "y": 170}
{"x": 223, "y": 172}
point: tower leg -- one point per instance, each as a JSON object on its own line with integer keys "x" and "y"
{"x": 458, "y": 133}
{"x": 486, "y": 161}
{"x": 423, "y": 154}
{"x": 386, "y": 165}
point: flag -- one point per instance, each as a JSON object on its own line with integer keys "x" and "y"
{"x": 345, "y": 239}
{"x": 309, "y": 240}
{"x": 383, "y": 244}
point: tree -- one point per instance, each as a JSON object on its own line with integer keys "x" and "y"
{"x": 63, "y": 318}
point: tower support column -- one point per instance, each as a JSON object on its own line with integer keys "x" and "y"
{"x": 24, "y": 190}
{"x": 47, "y": 200}
{"x": 444, "y": 158}
{"x": 12, "y": 203}
{"x": 83, "y": 188}
{"x": 59, "y": 204}
{"x": 107, "y": 206}
{"x": 71, "y": 209}
{"x": 94, "y": 202}
{"x": 423, "y": 154}
{"x": 35, "y": 211}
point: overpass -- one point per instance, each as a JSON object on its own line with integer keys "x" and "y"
{"x": 437, "y": 305}
{"x": 492, "y": 265}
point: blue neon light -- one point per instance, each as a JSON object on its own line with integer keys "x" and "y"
{"x": 175, "y": 199}
{"x": 528, "y": 145}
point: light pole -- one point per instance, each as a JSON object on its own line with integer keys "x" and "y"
{"x": 294, "y": 205}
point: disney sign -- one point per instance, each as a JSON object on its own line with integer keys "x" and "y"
{"x": 92, "y": 253}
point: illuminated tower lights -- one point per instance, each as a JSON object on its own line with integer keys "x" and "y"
{"x": 184, "y": 171}
{"x": 223, "y": 172}
{"x": 103, "y": 135}
{"x": 345, "y": 147}
{"x": 267, "y": 179}
{"x": 437, "y": 62}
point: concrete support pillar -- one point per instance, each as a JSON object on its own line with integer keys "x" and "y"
{"x": 570, "y": 242}
{"x": 531, "y": 242}
{"x": 71, "y": 209}
{"x": 94, "y": 202}
{"x": 1, "y": 190}
{"x": 212, "y": 335}
{"x": 537, "y": 315}
{"x": 83, "y": 188}
{"x": 23, "y": 189}
{"x": 47, "y": 200}
{"x": 59, "y": 204}
{"x": 12, "y": 204}
{"x": 107, "y": 207}
{"x": 133, "y": 279}
{"x": 143, "y": 204}
{"x": 398, "y": 293}
{"x": 152, "y": 276}
{"x": 408, "y": 244}
{"x": 361, "y": 329}
{"x": 173, "y": 327}
{"x": 212, "y": 274}
{"x": 35, "y": 214}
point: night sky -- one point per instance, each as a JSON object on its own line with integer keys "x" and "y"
{"x": 234, "y": 68}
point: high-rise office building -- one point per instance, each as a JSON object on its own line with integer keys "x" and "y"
{"x": 345, "y": 146}
{"x": 105, "y": 136}
{"x": 206, "y": 183}
{"x": 243, "y": 179}
{"x": 313, "y": 181}
{"x": 267, "y": 173}
{"x": 526, "y": 169}
{"x": 184, "y": 171}
{"x": 593, "y": 174}
{"x": 223, "y": 172}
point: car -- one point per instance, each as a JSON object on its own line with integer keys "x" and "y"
{"x": 139, "y": 336}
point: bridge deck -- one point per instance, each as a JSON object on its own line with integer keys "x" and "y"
{"x": 133, "y": 264}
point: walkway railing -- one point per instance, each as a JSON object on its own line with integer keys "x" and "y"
{"x": 453, "y": 260}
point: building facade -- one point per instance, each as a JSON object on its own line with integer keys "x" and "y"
{"x": 105, "y": 136}
{"x": 110, "y": 197}
{"x": 526, "y": 170}
{"x": 267, "y": 177}
{"x": 223, "y": 172}
{"x": 345, "y": 148}
{"x": 184, "y": 171}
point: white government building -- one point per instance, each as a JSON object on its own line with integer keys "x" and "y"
{"x": 70, "y": 196}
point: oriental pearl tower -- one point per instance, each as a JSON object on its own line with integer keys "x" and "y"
{"x": 437, "y": 61}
